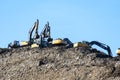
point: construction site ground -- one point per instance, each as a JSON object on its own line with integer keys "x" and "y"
{"x": 57, "y": 63}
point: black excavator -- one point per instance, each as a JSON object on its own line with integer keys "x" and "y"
{"x": 90, "y": 44}
{"x": 14, "y": 44}
{"x": 35, "y": 40}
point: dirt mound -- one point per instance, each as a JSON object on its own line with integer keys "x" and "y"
{"x": 57, "y": 63}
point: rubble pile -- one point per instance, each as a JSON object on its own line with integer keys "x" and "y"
{"x": 57, "y": 63}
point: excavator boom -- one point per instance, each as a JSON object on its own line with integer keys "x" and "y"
{"x": 104, "y": 46}
{"x": 46, "y": 31}
{"x": 45, "y": 37}
{"x": 34, "y": 27}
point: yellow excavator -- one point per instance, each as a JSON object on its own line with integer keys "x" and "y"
{"x": 17, "y": 44}
{"x": 90, "y": 44}
{"x": 118, "y": 51}
{"x": 35, "y": 37}
{"x": 44, "y": 39}
{"x": 80, "y": 44}
{"x": 65, "y": 42}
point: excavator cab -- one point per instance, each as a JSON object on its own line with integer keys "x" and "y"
{"x": 66, "y": 42}
{"x": 80, "y": 44}
{"x": 58, "y": 41}
{"x": 24, "y": 43}
{"x": 15, "y": 44}
{"x": 118, "y": 51}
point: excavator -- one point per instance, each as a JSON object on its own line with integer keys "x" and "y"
{"x": 17, "y": 44}
{"x": 44, "y": 38}
{"x": 37, "y": 40}
{"x": 35, "y": 37}
{"x": 90, "y": 44}
{"x": 65, "y": 42}
{"x": 118, "y": 51}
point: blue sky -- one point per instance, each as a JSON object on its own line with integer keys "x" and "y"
{"x": 76, "y": 19}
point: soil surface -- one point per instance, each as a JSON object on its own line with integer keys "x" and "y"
{"x": 57, "y": 63}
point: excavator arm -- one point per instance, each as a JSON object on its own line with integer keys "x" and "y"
{"x": 34, "y": 27}
{"x": 104, "y": 46}
{"x": 45, "y": 35}
{"x": 46, "y": 31}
